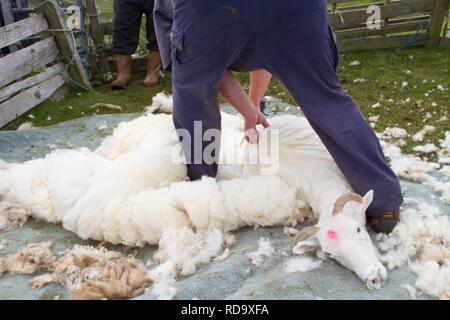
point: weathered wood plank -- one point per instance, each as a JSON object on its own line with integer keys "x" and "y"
{"x": 22, "y": 62}
{"x": 410, "y": 19}
{"x": 97, "y": 37}
{"x": 8, "y": 18}
{"x": 386, "y": 21}
{"x": 358, "y": 18}
{"x": 138, "y": 64}
{"x": 389, "y": 29}
{"x": 337, "y": 1}
{"x": 10, "y": 90}
{"x": 440, "y": 11}
{"x": 59, "y": 94}
{"x": 333, "y": 7}
{"x": 22, "y": 29}
{"x": 359, "y": 6}
{"x": 64, "y": 41}
{"x": 444, "y": 43}
{"x": 24, "y": 101}
{"x": 107, "y": 27}
{"x": 374, "y": 43}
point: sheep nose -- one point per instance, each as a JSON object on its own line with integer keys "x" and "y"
{"x": 377, "y": 277}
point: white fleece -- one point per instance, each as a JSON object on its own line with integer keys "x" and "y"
{"x": 129, "y": 190}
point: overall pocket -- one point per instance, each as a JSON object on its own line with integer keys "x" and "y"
{"x": 191, "y": 45}
{"x": 177, "y": 42}
{"x": 334, "y": 47}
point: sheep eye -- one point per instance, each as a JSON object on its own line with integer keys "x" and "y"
{"x": 358, "y": 230}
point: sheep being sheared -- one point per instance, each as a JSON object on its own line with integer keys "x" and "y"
{"x": 342, "y": 236}
{"x": 130, "y": 189}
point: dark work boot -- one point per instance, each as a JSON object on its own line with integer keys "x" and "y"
{"x": 386, "y": 222}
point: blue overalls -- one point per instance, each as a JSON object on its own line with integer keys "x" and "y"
{"x": 293, "y": 40}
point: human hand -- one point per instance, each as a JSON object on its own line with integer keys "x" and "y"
{"x": 252, "y": 119}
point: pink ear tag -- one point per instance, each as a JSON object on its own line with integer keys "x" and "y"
{"x": 332, "y": 234}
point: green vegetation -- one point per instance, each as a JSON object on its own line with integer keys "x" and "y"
{"x": 381, "y": 77}
{"x": 383, "y": 71}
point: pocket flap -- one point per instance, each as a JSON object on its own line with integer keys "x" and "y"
{"x": 176, "y": 37}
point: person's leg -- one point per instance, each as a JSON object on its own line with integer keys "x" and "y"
{"x": 163, "y": 21}
{"x": 154, "y": 58}
{"x": 201, "y": 51}
{"x": 259, "y": 82}
{"x": 126, "y": 25}
{"x": 124, "y": 77}
{"x": 305, "y": 60}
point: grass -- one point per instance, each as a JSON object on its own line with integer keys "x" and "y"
{"x": 411, "y": 107}
{"x": 79, "y": 102}
{"x": 383, "y": 70}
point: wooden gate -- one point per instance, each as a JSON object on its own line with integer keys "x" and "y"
{"x": 32, "y": 74}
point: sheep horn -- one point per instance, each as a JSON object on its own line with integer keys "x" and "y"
{"x": 342, "y": 200}
{"x": 305, "y": 234}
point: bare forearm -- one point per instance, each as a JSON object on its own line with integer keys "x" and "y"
{"x": 232, "y": 91}
{"x": 259, "y": 82}
{"x": 230, "y": 88}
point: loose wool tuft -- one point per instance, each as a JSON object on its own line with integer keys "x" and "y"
{"x": 34, "y": 258}
{"x": 186, "y": 249}
{"x": 163, "y": 278}
{"x": 414, "y": 168}
{"x": 96, "y": 273}
{"x": 161, "y": 102}
{"x": 423, "y": 234}
{"x": 264, "y": 251}
{"x": 302, "y": 264}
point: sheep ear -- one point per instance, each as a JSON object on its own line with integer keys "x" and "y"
{"x": 367, "y": 200}
{"x": 306, "y": 240}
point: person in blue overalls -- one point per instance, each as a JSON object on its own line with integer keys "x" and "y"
{"x": 293, "y": 40}
{"x": 163, "y": 17}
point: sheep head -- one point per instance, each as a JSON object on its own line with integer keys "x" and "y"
{"x": 343, "y": 237}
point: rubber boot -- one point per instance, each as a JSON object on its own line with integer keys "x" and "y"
{"x": 123, "y": 72}
{"x": 153, "y": 68}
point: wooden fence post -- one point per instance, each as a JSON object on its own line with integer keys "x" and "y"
{"x": 438, "y": 14}
{"x": 63, "y": 40}
{"x": 96, "y": 32}
{"x": 386, "y": 21}
{"x": 8, "y": 19}
{"x": 333, "y": 7}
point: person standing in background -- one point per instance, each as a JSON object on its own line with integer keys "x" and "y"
{"x": 126, "y": 28}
